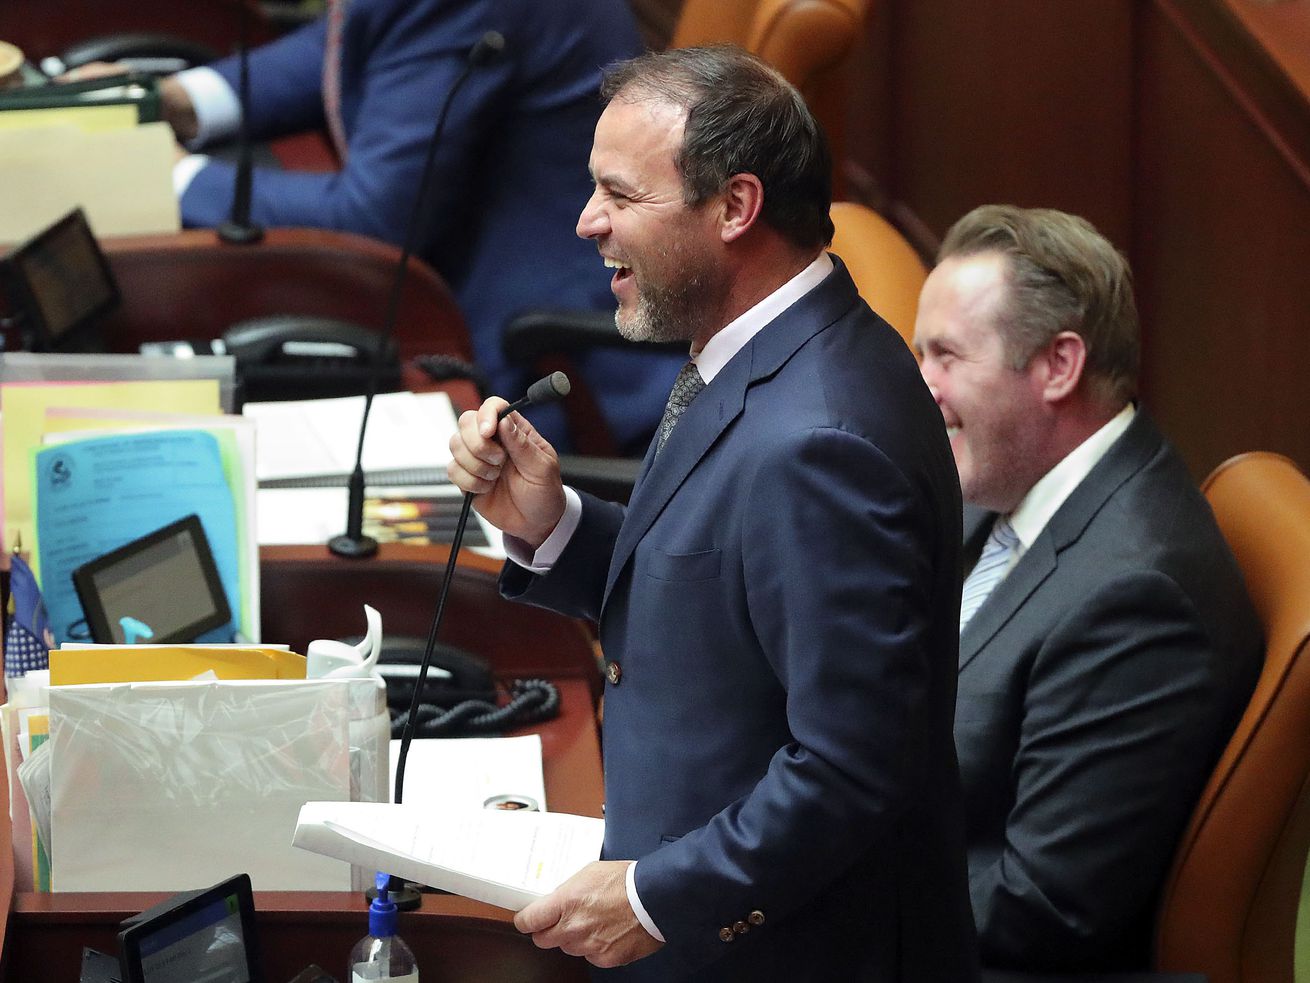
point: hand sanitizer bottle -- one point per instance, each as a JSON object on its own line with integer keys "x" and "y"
{"x": 382, "y": 954}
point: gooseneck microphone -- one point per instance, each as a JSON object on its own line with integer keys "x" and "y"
{"x": 353, "y": 543}
{"x": 238, "y": 228}
{"x": 553, "y": 387}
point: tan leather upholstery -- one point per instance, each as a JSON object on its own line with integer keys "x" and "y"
{"x": 800, "y": 38}
{"x": 1229, "y": 907}
{"x": 887, "y": 271}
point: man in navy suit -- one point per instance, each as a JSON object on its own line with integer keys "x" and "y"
{"x": 508, "y": 175}
{"x": 1107, "y": 644}
{"x": 777, "y": 603}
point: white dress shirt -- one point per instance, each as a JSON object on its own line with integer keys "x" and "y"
{"x": 1045, "y": 498}
{"x": 218, "y": 115}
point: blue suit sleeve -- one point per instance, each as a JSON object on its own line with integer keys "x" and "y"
{"x": 576, "y": 584}
{"x": 850, "y": 643}
{"x": 286, "y": 82}
{"x": 414, "y": 56}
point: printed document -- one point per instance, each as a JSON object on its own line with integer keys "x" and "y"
{"x": 502, "y": 857}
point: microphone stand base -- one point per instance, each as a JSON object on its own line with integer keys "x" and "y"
{"x": 353, "y": 547}
{"x": 405, "y": 894}
{"x": 240, "y": 234}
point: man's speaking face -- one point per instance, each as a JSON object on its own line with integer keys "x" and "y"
{"x": 666, "y": 275}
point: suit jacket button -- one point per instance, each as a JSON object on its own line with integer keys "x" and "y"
{"x": 613, "y": 672}
{"x": 756, "y": 917}
{"x": 741, "y": 928}
{"x": 725, "y": 935}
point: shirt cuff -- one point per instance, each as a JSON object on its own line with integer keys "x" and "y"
{"x": 638, "y": 908}
{"x": 548, "y": 552}
{"x": 185, "y": 170}
{"x": 218, "y": 110}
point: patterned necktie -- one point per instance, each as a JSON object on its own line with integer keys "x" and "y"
{"x": 686, "y": 387}
{"x": 336, "y": 17}
{"x": 989, "y": 570}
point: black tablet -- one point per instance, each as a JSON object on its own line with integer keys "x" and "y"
{"x": 161, "y": 588}
{"x": 62, "y": 282}
{"x": 205, "y": 936}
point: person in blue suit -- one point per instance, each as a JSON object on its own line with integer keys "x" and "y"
{"x": 509, "y": 173}
{"x": 777, "y": 603}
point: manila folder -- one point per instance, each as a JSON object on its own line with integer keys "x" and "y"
{"x": 502, "y": 857}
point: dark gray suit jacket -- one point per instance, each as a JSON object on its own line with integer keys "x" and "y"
{"x": 1098, "y": 684}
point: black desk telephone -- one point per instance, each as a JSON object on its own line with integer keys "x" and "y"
{"x": 297, "y": 356}
{"x": 300, "y": 357}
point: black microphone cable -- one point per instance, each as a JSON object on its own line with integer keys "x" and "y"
{"x": 552, "y": 387}
{"x": 353, "y": 543}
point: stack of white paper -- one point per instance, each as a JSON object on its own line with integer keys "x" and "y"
{"x": 504, "y": 858}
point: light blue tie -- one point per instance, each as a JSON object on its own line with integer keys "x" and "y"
{"x": 989, "y": 570}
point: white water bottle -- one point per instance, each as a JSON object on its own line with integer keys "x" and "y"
{"x": 382, "y": 954}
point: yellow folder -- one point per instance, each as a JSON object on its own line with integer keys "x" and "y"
{"x": 163, "y": 663}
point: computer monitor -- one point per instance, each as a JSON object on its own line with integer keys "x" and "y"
{"x": 61, "y": 284}
{"x": 205, "y": 936}
{"x": 161, "y": 588}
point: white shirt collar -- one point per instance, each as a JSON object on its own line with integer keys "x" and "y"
{"x": 1045, "y": 498}
{"x": 734, "y": 336}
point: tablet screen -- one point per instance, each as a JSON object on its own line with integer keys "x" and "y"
{"x": 197, "y": 937}
{"x": 161, "y": 588}
{"x": 63, "y": 279}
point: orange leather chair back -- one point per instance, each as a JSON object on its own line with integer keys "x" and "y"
{"x": 1229, "y": 908}
{"x": 800, "y": 38}
{"x": 887, "y": 271}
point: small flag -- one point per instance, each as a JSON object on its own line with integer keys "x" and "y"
{"x": 28, "y": 638}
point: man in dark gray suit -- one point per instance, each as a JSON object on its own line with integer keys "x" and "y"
{"x": 1107, "y": 644}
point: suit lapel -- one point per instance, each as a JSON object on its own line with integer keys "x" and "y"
{"x": 722, "y": 401}
{"x": 1128, "y": 455}
{"x": 700, "y": 426}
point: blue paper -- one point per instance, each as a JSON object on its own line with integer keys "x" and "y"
{"x": 93, "y": 496}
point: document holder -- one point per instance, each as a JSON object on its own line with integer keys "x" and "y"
{"x": 164, "y": 786}
{"x": 135, "y": 89}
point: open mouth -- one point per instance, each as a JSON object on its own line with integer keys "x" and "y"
{"x": 622, "y": 271}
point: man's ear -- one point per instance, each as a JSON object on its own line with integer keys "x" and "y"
{"x": 1062, "y": 362}
{"x": 743, "y": 201}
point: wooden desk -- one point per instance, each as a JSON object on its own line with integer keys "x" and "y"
{"x": 308, "y": 593}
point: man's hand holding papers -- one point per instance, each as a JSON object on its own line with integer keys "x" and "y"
{"x": 589, "y": 915}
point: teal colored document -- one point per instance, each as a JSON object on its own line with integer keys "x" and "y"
{"x": 93, "y": 496}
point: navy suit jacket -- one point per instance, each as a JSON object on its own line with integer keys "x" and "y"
{"x": 1098, "y": 684}
{"x": 510, "y": 174}
{"x": 778, "y": 599}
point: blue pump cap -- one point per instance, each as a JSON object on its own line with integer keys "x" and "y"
{"x": 382, "y": 911}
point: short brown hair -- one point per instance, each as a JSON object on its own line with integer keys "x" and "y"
{"x": 742, "y": 117}
{"x": 1063, "y": 276}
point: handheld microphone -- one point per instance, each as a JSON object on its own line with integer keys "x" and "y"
{"x": 353, "y": 543}
{"x": 552, "y": 387}
{"x": 238, "y": 228}
{"x": 545, "y": 390}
